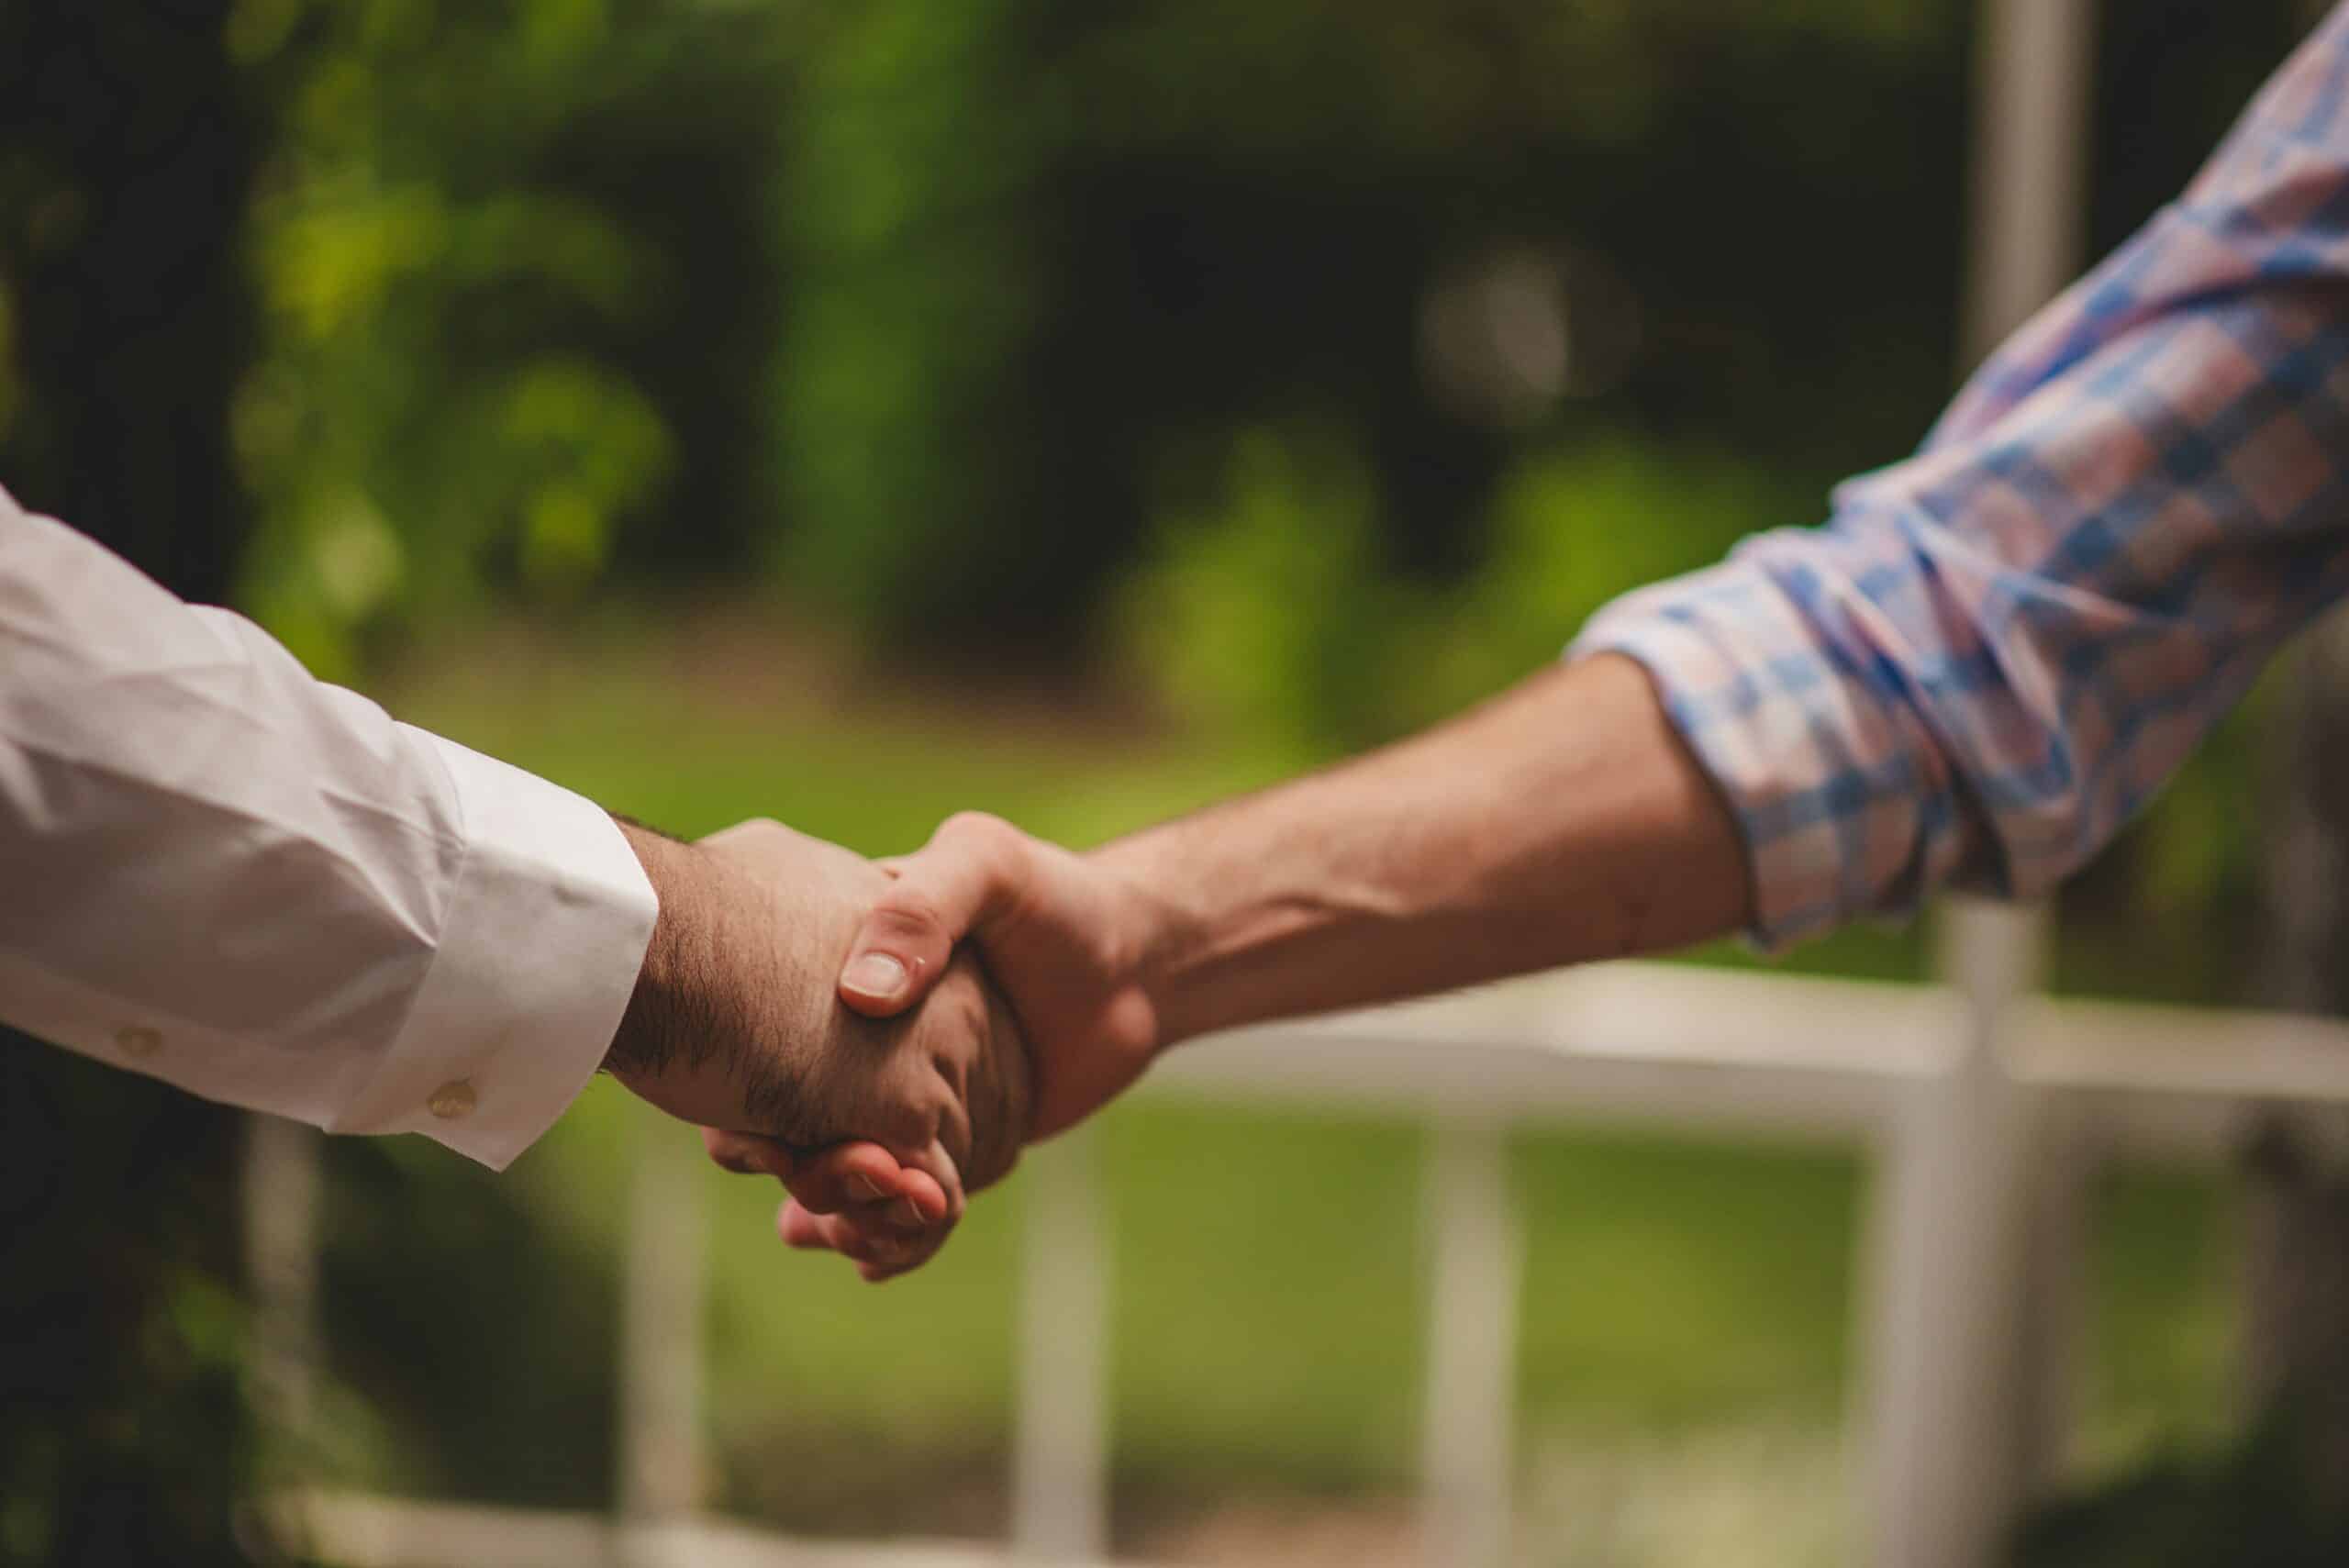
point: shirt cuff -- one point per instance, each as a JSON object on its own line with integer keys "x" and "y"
{"x": 537, "y": 955}
{"x": 1738, "y": 673}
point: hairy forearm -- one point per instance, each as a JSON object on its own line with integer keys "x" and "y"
{"x": 692, "y": 1041}
{"x": 656, "y": 1031}
{"x": 1562, "y": 821}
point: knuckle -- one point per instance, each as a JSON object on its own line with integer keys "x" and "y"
{"x": 952, "y": 1130}
{"x": 819, "y": 1199}
{"x": 906, "y": 909}
{"x": 983, "y": 834}
{"x": 972, "y": 824}
{"x": 916, "y": 1113}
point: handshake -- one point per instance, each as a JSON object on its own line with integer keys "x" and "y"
{"x": 822, "y": 1018}
{"x": 884, "y": 1037}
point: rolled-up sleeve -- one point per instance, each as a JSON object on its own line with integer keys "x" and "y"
{"x": 224, "y": 874}
{"x": 1994, "y": 653}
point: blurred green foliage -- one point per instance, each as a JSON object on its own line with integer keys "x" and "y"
{"x": 2269, "y": 1501}
{"x": 126, "y": 151}
{"x": 920, "y": 304}
{"x": 514, "y": 275}
{"x": 1279, "y": 615}
{"x": 1170, "y": 333}
{"x": 1053, "y": 261}
{"x": 947, "y": 317}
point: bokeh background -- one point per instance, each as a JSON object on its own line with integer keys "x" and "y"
{"x": 851, "y": 413}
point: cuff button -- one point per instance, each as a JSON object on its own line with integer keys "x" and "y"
{"x": 451, "y": 1099}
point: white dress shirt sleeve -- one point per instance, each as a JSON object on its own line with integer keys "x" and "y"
{"x": 222, "y": 873}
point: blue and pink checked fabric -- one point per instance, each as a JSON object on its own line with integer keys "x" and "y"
{"x": 1995, "y": 653}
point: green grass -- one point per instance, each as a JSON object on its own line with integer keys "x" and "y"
{"x": 1268, "y": 1290}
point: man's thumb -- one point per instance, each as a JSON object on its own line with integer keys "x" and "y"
{"x": 941, "y": 894}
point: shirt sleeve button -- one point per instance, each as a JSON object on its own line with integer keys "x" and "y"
{"x": 136, "y": 1040}
{"x": 451, "y": 1099}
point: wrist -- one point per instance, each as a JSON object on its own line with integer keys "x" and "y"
{"x": 1157, "y": 932}
{"x": 650, "y": 1038}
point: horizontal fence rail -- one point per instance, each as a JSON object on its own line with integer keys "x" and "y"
{"x": 361, "y": 1532}
{"x": 1755, "y": 1051}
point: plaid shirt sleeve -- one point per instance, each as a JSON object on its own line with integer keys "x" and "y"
{"x": 1994, "y": 653}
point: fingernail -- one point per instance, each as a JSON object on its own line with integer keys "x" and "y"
{"x": 907, "y": 1214}
{"x": 866, "y": 1187}
{"x": 876, "y": 974}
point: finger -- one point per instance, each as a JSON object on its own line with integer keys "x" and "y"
{"x": 728, "y": 1150}
{"x": 748, "y": 1154}
{"x": 883, "y": 1234}
{"x": 887, "y": 1256}
{"x": 809, "y": 1231}
{"x": 941, "y": 894}
{"x": 895, "y": 1239}
{"x": 848, "y": 1174}
{"x": 942, "y": 1201}
{"x": 869, "y": 1225}
{"x": 874, "y": 1274}
{"x": 877, "y": 1249}
{"x": 861, "y": 1247}
{"x": 893, "y": 1223}
{"x": 856, "y": 1234}
{"x": 925, "y": 1198}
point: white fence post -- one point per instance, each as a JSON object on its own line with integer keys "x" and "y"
{"x": 2054, "y": 1341}
{"x": 1946, "y": 1258}
{"x": 2029, "y": 162}
{"x": 661, "y": 1324}
{"x": 281, "y": 1202}
{"x": 1975, "y": 1306}
{"x": 1060, "y": 1481}
{"x": 1476, "y": 1254}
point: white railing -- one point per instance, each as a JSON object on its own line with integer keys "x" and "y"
{"x": 1983, "y": 1111}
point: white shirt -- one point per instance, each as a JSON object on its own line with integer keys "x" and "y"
{"x": 222, "y": 873}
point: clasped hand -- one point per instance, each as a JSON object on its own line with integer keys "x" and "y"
{"x": 973, "y": 997}
{"x": 879, "y": 1121}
